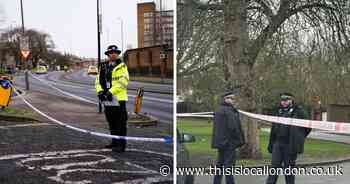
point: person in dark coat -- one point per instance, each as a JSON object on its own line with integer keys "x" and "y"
{"x": 287, "y": 141}
{"x": 227, "y": 135}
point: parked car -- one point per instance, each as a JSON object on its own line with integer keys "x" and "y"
{"x": 41, "y": 70}
{"x": 183, "y": 157}
{"x": 92, "y": 70}
{"x": 10, "y": 70}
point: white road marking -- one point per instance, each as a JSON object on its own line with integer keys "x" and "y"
{"x": 65, "y": 166}
{"x": 63, "y": 92}
{"x": 25, "y": 125}
{"x": 51, "y": 153}
{"x": 58, "y": 177}
{"x": 63, "y": 169}
{"x": 49, "y": 83}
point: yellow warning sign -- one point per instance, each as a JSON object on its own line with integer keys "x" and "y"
{"x": 25, "y": 53}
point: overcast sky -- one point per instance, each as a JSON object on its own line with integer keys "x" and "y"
{"x": 72, "y": 23}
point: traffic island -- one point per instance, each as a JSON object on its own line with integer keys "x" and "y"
{"x": 141, "y": 120}
{"x": 16, "y": 115}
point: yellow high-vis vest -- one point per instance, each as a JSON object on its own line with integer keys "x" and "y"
{"x": 120, "y": 80}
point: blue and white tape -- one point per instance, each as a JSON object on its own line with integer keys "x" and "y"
{"x": 336, "y": 127}
{"x": 166, "y": 139}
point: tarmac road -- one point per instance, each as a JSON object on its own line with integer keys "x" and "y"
{"x": 43, "y": 152}
{"x": 156, "y": 104}
{"x": 51, "y": 154}
{"x": 81, "y": 76}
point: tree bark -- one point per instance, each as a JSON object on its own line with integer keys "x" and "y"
{"x": 240, "y": 70}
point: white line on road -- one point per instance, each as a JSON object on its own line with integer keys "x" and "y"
{"x": 63, "y": 169}
{"x": 89, "y": 101}
{"x": 60, "y": 173}
{"x": 25, "y": 125}
{"x": 64, "y": 92}
{"x": 65, "y": 166}
{"x": 53, "y": 153}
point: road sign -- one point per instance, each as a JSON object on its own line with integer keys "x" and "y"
{"x": 25, "y": 53}
{"x": 24, "y": 44}
{"x": 162, "y": 56}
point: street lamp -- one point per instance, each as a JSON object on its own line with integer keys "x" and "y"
{"x": 24, "y": 49}
{"x": 99, "y": 27}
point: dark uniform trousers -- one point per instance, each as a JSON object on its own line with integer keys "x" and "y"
{"x": 281, "y": 154}
{"x": 117, "y": 117}
{"x": 226, "y": 159}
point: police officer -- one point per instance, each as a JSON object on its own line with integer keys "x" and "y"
{"x": 111, "y": 86}
{"x": 227, "y": 135}
{"x": 286, "y": 141}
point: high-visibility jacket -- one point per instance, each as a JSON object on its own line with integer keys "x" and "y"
{"x": 119, "y": 81}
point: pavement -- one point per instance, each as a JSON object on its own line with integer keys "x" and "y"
{"x": 43, "y": 152}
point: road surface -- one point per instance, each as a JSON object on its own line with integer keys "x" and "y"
{"x": 44, "y": 152}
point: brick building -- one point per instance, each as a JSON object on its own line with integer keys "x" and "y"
{"x": 156, "y": 61}
{"x": 154, "y": 27}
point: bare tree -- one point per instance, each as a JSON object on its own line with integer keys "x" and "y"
{"x": 249, "y": 26}
{"x": 39, "y": 43}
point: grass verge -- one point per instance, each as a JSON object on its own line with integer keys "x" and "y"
{"x": 202, "y": 154}
{"x": 13, "y": 114}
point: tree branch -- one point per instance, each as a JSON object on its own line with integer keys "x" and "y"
{"x": 284, "y": 13}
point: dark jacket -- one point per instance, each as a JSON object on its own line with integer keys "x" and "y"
{"x": 227, "y": 130}
{"x": 105, "y": 74}
{"x": 296, "y": 135}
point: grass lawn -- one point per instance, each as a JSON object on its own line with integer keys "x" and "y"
{"x": 202, "y": 154}
{"x": 13, "y": 111}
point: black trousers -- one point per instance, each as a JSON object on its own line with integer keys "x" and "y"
{"x": 282, "y": 154}
{"x": 117, "y": 117}
{"x": 226, "y": 159}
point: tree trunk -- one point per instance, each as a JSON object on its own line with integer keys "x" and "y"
{"x": 240, "y": 70}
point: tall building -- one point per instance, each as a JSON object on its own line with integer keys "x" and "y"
{"x": 154, "y": 27}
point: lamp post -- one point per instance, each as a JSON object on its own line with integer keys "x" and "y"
{"x": 99, "y": 25}
{"x": 24, "y": 57}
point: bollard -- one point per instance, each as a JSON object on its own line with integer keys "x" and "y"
{"x": 138, "y": 100}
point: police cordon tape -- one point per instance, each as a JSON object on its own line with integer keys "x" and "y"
{"x": 336, "y": 127}
{"x": 166, "y": 139}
